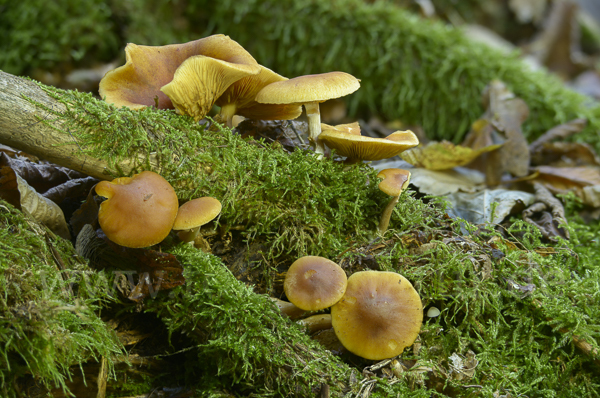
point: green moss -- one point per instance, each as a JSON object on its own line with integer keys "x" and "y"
{"x": 37, "y": 34}
{"x": 48, "y": 319}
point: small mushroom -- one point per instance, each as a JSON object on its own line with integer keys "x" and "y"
{"x": 194, "y": 214}
{"x": 148, "y": 68}
{"x": 201, "y": 80}
{"x": 358, "y": 148}
{"x": 239, "y": 99}
{"x": 310, "y": 90}
{"x": 139, "y": 210}
{"x": 380, "y": 315}
{"x": 313, "y": 283}
{"x": 394, "y": 182}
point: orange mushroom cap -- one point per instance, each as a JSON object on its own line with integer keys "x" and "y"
{"x": 197, "y": 212}
{"x": 148, "y": 68}
{"x": 380, "y": 315}
{"x": 139, "y": 210}
{"x": 394, "y": 181}
{"x": 313, "y": 283}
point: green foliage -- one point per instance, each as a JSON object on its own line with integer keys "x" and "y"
{"x": 42, "y": 34}
{"x": 48, "y": 318}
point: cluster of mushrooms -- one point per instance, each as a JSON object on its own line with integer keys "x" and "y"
{"x": 374, "y": 314}
{"x": 192, "y": 77}
{"x": 141, "y": 210}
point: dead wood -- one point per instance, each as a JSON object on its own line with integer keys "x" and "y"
{"x": 24, "y": 126}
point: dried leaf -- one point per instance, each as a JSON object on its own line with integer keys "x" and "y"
{"x": 439, "y": 183}
{"x": 501, "y": 124}
{"x": 549, "y": 224}
{"x": 575, "y": 179}
{"x": 565, "y": 154}
{"x": 506, "y": 113}
{"x": 561, "y": 132}
{"x": 443, "y": 155}
{"x": 487, "y": 206}
{"x": 76, "y": 188}
{"x": 17, "y": 192}
{"x": 557, "y": 47}
{"x": 39, "y": 176}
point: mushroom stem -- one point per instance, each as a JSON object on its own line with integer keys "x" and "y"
{"x": 188, "y": 235}
{"x": 228, "y": 112}
{"x": 387, "y": 214}
{"x": 314, "y": 126}
{"x": 315, "y": 323}
{"x": 288, "y": 309}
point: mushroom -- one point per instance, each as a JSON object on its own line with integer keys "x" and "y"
{"x": 348, "y": 128}
{"x": 314, "y": 323}
{"x": 309, "y": 91}
{"x": 357, "y": 147}
{"x": 313, "y": 283}
{"x": 139, "y": 210}
{"x": 148, "y": 68}
{"x": 288, "y": 309}
{"x": 380, "y": 315}
{"x": 394, "y": 182}
{"x": 201, "y": 80}
{"x": 239, "y": 99}
{"x": 194, "y": 214}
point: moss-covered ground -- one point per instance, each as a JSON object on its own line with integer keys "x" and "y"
{"x": 528, "y": 311}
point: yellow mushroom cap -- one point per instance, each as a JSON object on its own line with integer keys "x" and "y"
{"x": 309, "y": 88}
{"x": 380, "y": 315}
{"x": 367, "y": 148}
{"x": 148, "y": 68}
{"x": 349, "y": 128}
{"x": 240, "y": 96}
{"x": 200, "y": 80}
{"x": 394, "y": 181}
{"x": 197, "y": 212}
{"x": 313, "y": 283}
{"x": 139, "y": 210}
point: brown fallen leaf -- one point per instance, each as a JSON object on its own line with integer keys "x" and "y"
{"x": 18, "y": 193}
{"x": 40, "y": 176}
{"x": 443, "y": 155}
{"x": 583, "y": 181}
{"x": 563, "y": 154}
{"x": 500, "y": 124}
{"x": 557, "y": 46}
{"x": 549, "y": 212}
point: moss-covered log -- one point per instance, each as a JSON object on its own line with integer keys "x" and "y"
{"x": 49, "y": 302}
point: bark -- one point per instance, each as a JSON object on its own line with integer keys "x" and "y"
{"x": 27, "y": 127}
